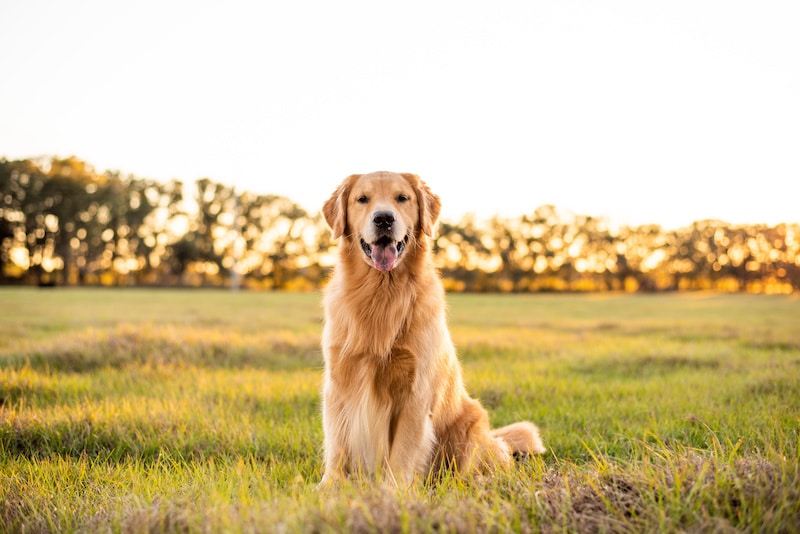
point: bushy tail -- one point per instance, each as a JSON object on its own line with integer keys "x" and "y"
{"x": 521, "y": 438}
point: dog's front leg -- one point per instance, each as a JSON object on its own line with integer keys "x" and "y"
{"x": 334, "y": 426}
{"x": 413, "y": 444}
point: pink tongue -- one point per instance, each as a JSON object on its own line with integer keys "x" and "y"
{"x": 384, "y": 257}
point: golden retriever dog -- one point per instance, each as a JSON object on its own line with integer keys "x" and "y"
{"x": 394, "y": 403}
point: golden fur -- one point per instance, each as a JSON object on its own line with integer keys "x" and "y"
{"x": 394, "y": 402}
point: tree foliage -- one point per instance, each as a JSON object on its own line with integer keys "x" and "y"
{"x": 64, "y": 223}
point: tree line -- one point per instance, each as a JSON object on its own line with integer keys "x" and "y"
{"x": 63, "y": 223}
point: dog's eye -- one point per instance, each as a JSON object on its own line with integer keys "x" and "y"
{"x": 362, "y": 199}
{"x": 402, "y": 198}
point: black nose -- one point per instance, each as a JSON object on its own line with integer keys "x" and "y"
{"x": 383, "y": 219}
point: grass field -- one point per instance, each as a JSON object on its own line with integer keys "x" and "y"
{"x": 198, "y": 411}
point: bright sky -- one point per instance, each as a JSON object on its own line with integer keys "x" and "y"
{"x": 639, "y": 111}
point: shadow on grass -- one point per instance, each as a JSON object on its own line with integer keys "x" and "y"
{"x": 642, "y": 366}
{"x": 123, "y": 346}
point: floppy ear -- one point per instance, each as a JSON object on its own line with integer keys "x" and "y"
{"x": 429, "y": 203}
{"x": 335, "y": 208}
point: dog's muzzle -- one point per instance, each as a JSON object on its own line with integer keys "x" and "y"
{"x": 385, "y": 252}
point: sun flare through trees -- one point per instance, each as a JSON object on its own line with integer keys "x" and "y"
{"x": 64, "y": 223}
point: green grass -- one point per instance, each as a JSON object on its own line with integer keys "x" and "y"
{"x": 176, "y": 411}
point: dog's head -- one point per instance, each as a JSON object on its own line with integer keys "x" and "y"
{"x": 382, "y": 212}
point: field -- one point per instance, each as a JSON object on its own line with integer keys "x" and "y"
{"x": 198, "y": 411}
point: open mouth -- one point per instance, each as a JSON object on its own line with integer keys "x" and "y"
{"x": 384, "y": 252}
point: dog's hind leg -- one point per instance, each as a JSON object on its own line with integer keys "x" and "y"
{"x": 521, "y": 438}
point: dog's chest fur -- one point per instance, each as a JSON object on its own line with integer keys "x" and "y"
{"x": 375, "y": 353}
{"x": 373, "y": 399}
{"x": 372, "y": 366}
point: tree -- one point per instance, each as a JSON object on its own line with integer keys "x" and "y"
{"x": 60, "y": 221}
{"x": 282, "y": 234}
{"x": 70, "y": 211}
{"x": 13, "y": 180}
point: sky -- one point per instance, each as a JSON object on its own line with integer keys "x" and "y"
{"x": 637, "y": 111}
